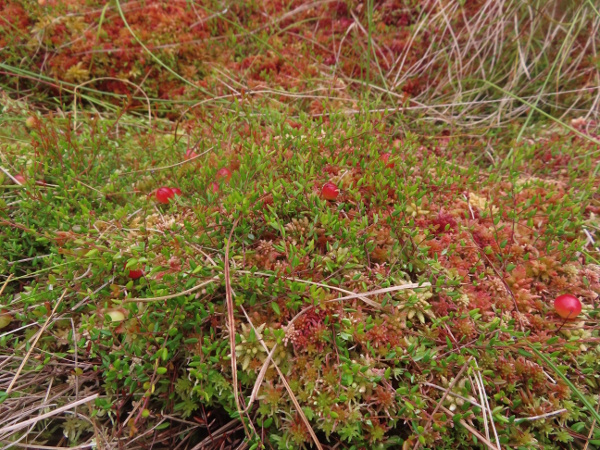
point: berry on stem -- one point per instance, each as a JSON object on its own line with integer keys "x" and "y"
{"x": 134, "y": 274}
{"x": 20, "y": 178}
{"x": 224, "y": 173}
{"x": 567, "y": 306}
{"x": 164, "y": 194}
{"x": 330, "y": 191}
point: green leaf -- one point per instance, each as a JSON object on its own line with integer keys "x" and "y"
{"x": 275, "y": 307}
{"x": 91, "y": 253}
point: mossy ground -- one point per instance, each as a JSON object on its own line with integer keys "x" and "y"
{"x": 416, "y": 309}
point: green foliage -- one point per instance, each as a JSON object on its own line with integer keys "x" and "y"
{"x": 461, "y": 234}
{"x": 358, "y": 371}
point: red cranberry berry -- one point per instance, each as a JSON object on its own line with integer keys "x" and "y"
{"x": 567, "y": 306}
{"x": 20, "y": 178}
{"x": 164, "y": 194}
{"x": 135, "y": 274}
{"x": 330, "y": 191}
{"x": 224, "y": 173}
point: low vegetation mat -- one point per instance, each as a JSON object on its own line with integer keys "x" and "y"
{"x": 259, "y": 258}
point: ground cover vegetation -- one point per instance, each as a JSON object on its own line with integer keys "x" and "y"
{"x": 284, "y": 225}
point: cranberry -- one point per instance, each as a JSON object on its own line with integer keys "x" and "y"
{"x": 20, "y": 178}
{"x": 330, "y": 191}
{"x": 164, "y": 194}
{"x": 134, "y": 274}
{"x": 567, "y": 306}
{"x": 224, "y": 173}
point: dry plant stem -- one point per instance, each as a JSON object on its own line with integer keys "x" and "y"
{"x": 218, "y": 433}
{"x": 156, "y": 169}
{"x": 542, "y": 416}
{"x": 479, "y": 380}
{"x": 167, "y": 297}
{"x": 476, "y": 433}
{"x": 489, "y": 410}
{"x": 6, "y": 283}
{"x": 285, "y": 383}
{"x": 587, "y": 442}
{"x": 48, "y": 447}
{"x": 18, "y": 426}
{"x": 231, "y": 324}
{"x": 484, "y": 408}
{"x": 441, "y": 400}
{"x": 7, "y": 173}
{"x": 33, "y": 344}
{"x": 263, "y": 371}
{"x": 114, "y": 79}
{"x": 453, "y": 394}
{"x": 351, "y": 295}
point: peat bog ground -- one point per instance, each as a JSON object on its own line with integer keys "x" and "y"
{"x": 294, "y": 224}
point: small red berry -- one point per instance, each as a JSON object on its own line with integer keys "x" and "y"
{"x": 176, "y": 191}
{"x": 214, "y": 187}
{"x": 330, "y": 191}
{"x": 20, "y": 178}
{"x": 189, "y": 154}
{"x": 164, "y": 194}
{"x": 224, "y": 173}
{"x": 567, "y": 306}
{"x": 135, "y": 274}
{"x": 385, "y": 158}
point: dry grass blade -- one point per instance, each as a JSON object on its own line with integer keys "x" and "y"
{"x": 479, "y": 380}
{"x": 231, "y": 325}
{"x": 185, "y": 161}
{"x": 453, "y": 394}
{"x": 49, "y": 447}
{"x": 215, "y": 434}
{"x": 114, "y": 79}
{"x": 33, "y": 344}
{"x": 400, "y": 287}
{"x": 472, "y": 430}
{"x": 7, "y": 173}
{"x": 178, "y": 294}
{"x": 590, "y": 434}
{"x": 21, "y": 425}
{"x": 541, "y": 416}
{"x": 351, "y": 295}
{"x": 484, "y": 410}
{"x": 6, "y": 283}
